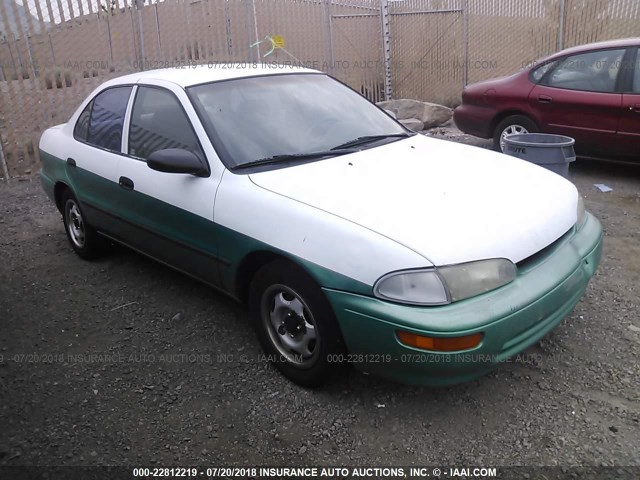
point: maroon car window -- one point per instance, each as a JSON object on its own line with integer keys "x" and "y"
{"x": 636, "y": 74}
{"x": 593, "y": 71}
{"x": 539, "y": 72}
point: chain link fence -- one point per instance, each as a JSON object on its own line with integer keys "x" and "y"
{"x": 54, "y": 52}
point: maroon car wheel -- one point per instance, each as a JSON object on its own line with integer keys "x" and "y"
{"x": 510, "y": 126}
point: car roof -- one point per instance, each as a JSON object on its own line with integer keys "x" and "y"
{"x": 619, "y": 43}
{"x": 187, "y": 76}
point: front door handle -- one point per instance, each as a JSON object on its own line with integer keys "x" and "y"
{"x": 71, "y": 162}
{"x": 635, "y": 108}
{"x": 126, "y": 183}
{"x": 544, "y": 99}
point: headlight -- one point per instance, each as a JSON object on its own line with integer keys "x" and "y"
{"x": 418, "y": 287}
{"x": 470, "y": 279}
{"x": 439, "y": 286}
{"x": 581, "y": 213}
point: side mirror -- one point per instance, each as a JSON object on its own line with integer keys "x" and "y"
{"x": 177, "y": 160}
{"x": 390, "y": 113}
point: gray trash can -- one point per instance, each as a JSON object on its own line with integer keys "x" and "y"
{"x": 553, "y": 152}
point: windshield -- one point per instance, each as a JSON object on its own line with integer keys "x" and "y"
{"x": 287, "y": 116}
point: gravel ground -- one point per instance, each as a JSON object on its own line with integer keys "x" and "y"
{"x": 125, "y": 362}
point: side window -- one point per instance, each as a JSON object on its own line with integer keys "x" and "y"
{"x": 107, "y": 118}
{"x": 636, "y": 74}
{"x": 159, "y": 122}
{"x": 82, "y": 125}
{"x": 538, "y": 73}
{"x": 594, "y": 71}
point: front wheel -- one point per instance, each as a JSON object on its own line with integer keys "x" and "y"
{"x": 295, "y": 324}
{"x": 512, "y": 125}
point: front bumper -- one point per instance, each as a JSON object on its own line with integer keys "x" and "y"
{"x": 511, "y": 318}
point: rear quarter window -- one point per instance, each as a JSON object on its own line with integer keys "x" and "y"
{"x": 82, "y": 125}
{"x": 539, "y": 72}
{"x": 595, "y": 71}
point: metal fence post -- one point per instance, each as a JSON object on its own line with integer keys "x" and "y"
{"x": 329, "y": 27}
{"x": 34, "y": 68}
{"x": 386, "y": 48}
{"x": 20, "y": 62}
{"x": 161, "y": 56}
{"x": 53, "y": 53}
{"x": 252, "y": 30}
{"x": 3, "y": 163}
{"x": 109, "y": 41}
{"x": 561, "y": 26}
{"x": 140, "y": 36}
{"x": 465, "y": 42}
{"x": 136, "y": 50}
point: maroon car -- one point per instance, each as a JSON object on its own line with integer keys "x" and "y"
{"x": 590, "y": 93}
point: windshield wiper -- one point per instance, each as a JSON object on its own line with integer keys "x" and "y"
{"x": 370, "y": 138}
{"x": 295, "y": 157}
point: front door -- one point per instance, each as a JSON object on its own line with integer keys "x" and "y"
{"x": 169, "y": 216}
{"x": 579, "y": 98}
{"x": 629, "y": 130}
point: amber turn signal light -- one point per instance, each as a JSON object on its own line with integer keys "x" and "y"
{"x": 440, "y": 344}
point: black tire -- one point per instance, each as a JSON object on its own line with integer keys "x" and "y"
{"x": 275, "y": 284}
{"x": 84, "y": 240}
{"x": 512, "y": 121}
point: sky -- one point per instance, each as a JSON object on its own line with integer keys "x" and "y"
{"x": 57, "y": 11}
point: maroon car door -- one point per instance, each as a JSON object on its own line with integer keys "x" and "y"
{"x": 629, "y": 129}
{"x": 579, "y": 98}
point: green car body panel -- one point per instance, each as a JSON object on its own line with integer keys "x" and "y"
{"x": 187, "y": 242}
{"x": 511, "y": 318}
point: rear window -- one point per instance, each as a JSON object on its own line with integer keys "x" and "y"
{"x": 595, "y": 71}
{"x": 636, "y": 74}
{"x": 107, "y": 118}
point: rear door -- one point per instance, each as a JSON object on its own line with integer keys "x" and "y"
{"x": 95, "y": 154}
{"x": 629, "y": 129}
{"x": 169, "y": 216}
{"x": 580, "y": 97}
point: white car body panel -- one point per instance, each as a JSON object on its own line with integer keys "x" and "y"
{"x": 59, "y": 141}
{"x": 309, "y": 233}
{"x": 450, "y": 203}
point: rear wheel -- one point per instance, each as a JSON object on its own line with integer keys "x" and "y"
{"x": 512, "y": 125}
{"x": 295, "y": 324}
{"x": 84, "y": 240}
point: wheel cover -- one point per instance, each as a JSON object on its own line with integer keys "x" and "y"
{"x": 75, "y": 223}
{"x": 290, "y": 325}
{"x": 511, "y": 130}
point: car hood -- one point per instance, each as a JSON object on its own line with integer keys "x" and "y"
{"x": 450, "y": 203}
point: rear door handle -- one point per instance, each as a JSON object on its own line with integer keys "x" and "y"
{"x": 544, "y": 99}
{"x": 635, "y": 108}
{"x": 126, "y": 183}
{"x": 71, "y": 162}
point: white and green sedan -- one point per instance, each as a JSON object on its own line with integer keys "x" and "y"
{"x": 352, "y": 239}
